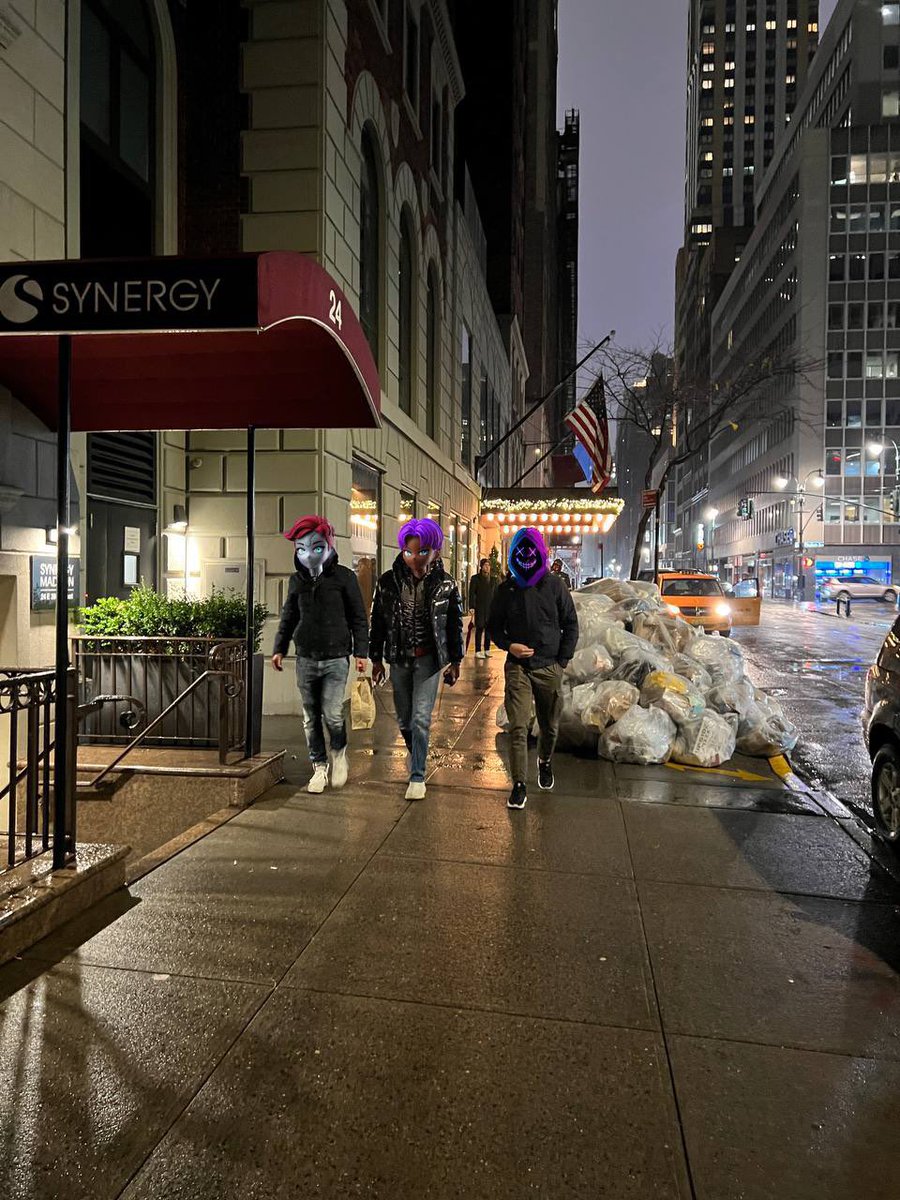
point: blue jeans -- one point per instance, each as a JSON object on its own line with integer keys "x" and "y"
{"x": 322, "y": 684}
{"x": 415, "y": 691}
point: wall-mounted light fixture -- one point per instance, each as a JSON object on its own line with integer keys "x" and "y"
{"x": 53, "y": 534}
{"x": 179, "y": 522}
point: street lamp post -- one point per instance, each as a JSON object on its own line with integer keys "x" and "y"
{"x": 782, "y": 484}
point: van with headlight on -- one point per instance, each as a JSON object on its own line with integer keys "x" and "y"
{"x": 699, "y": 599}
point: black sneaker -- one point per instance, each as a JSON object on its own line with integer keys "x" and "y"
{"x": 545, "y": 776}
{"x": 517, "y": 796}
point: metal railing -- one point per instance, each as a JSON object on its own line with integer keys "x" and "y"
{"x": 28, "y": 821}
{"x": 169, "y": 683}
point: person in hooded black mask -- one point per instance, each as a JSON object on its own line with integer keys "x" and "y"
{"x": 533, "y": 618}
{"x": 325, "y": 616}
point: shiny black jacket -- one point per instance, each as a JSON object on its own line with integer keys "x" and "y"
{"x": 325, "y": 617}
{"x": 443, "y": 606}
{"x": 542, "y": 617}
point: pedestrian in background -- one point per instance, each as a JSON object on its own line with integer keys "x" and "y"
{"x": 481, "y": 594}
{"x": 533, "y": 618}
{"x": 325, "y": 617}
{"x": 417, "y": 630}
{"x": 559, "y": 570}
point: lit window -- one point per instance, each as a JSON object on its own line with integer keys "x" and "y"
{"x": 728, "y": 171}
{"x": 729, "y": 83}
{"x": 813, "y": 27}
{"x": 708, "y": 29}
{"x": 701, "y": 227}
{"x": 858, "y": 168}
{"x": 708, "y": 48}
{"x": 708, "y": 66}
{"x": 792, "y": 23}
{"x": 707, "y": 157}
{"x": 729, "y": 28}
{"x": 706, "y": 84}
{"x": 771, "y": 24}
{"x": 890, "y": 104}
{"x": 707, "y": 122}
{"x": 751, "y": 28}
{"x": 728, "y": 120}
{"x": 750, "y": 120}
{"x": 729, "y": 66}
{"x": 789, "y": 79}
{"x": 890, "y": 14}
{"x": 748, "y": 170}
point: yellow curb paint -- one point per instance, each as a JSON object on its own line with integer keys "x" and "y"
{"x": 746, "y": 776}
{"x": 780, "y": 766}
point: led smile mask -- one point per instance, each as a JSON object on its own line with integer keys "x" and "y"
{"x": 528, "y": 557}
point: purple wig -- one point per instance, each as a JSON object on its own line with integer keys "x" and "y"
{"x": 429, "y": 533}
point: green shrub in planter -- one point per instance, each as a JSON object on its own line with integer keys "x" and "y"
{"x": 145, "y": 613}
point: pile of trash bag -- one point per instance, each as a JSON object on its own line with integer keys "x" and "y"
{"x": 645, "y": 687}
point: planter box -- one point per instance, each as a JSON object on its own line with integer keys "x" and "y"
{"x": 156, "y": 671}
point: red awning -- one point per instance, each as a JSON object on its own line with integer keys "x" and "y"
{"x": 268, "y": 340}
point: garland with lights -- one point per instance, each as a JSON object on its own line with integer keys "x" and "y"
{"x": 598, "y": 507}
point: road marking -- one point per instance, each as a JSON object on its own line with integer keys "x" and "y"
{"x": 746, "y": 776}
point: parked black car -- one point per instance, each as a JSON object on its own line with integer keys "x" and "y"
{"x": 881, "y": 728}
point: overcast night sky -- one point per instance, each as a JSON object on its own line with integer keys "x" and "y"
{"x": 623, "y": 65}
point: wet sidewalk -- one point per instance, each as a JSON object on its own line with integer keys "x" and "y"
{"x": 651, "y": 983}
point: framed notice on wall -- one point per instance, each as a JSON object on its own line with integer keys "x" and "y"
{"x": 43, "y": 581}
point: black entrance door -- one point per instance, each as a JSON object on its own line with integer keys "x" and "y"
{"x": 121, "y": 512}
{"x": 121, "y": 548}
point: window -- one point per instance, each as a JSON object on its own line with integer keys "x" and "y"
{"x": 839, "y": 171}
{"x": 407, "y": 312}
{"x": 706, "y": 84}
{"x": 854, "y": 368}
{"x": 855, "y": 316}
{"x": 858, "y": 168}
{"x": 833, "y": 461}
{"x": 892, "y": 365}
{"x": 890, "y": 14}
{"x": 407, "y": 506}
{"x": 411, "y": 59}
{"x": 117, "y": 141}
{"x": 437, "y": 137}
{"x": 835, "y": 316}
{"x": 890, "y": 104}
{"x": 874, "y": 366}
{"x": 365, "y": 513}
{"x": 466, "y": 415}
{"x": 432, "y": 358}
{"x": 834, "y": 414}
{"x": 853, "y": 419}
{"x": 835, "y": 366}
{"x": 891, "y": 57}
{"x": 875, "y": 318}
{"x": 370, "y": 243}
{"x": 878, "y": 168}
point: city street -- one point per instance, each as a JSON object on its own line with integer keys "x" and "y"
{"x": 816, "y": 665}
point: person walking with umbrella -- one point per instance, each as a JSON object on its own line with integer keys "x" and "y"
{"x": 481, "y": 594}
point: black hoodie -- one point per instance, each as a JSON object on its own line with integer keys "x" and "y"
{"x": 324, "y": 616}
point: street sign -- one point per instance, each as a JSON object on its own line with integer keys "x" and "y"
{"x": 43, "y": 581}
{"x": 649, "y": 499}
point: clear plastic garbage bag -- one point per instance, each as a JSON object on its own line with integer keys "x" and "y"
{"x": 642, "y": 736}
{"x": 612, "y": 699}
{"x": 589, "y": 663}
{"x": 706, "y": 741}
{"x": 674, "y": 695}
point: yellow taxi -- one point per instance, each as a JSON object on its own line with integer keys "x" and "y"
{"x": 699, "y": 599}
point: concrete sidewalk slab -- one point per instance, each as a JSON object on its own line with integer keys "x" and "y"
{"x": 764, "y": 1121}
{"x": 119, "y": 1055}
{"x": 582, "y": 834}
{"x": 339, "y": 1096}
{"x": 762, "y": 851}
{"x": 535, "y": 943}
{"x": 785, "y": 970}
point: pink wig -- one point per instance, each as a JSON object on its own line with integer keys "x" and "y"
{"x": 312, "y": 524}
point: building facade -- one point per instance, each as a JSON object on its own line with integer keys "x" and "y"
{"x": 820, "y": 280}
{"x": 321, "y": 126}
{"x": 747, "y": 63}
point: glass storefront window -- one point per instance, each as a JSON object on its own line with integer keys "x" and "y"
{"x": 365, "y": 512}
{"x": 407, "y": 506}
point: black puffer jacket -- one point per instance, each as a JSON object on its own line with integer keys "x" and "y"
{"x": 542, "y": 617}
{"x": 443, "y": 606}
{"x": 325, "y": 617}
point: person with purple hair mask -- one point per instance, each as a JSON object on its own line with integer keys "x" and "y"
{"x": 533, "y": 619}
{"x": 416, "y": 628}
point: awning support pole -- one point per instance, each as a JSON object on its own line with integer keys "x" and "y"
{"x": 63, "y": 448}
{"x": 250, "y": 690}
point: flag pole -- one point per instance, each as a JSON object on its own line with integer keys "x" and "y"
{"x": 481, "y": 459}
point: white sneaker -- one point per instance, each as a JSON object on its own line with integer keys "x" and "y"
{"x": 415, "y": 791}
{"x": 339, "y": 768}
{"x": 319, "y": 781}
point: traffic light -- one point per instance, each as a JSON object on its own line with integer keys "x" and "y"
{"x": 745, "y": 509}
{"x": 820, "y": 513}
{"x": 808, "y": 563}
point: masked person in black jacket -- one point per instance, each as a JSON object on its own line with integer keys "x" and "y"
{"x": 325, "y": 616}
{"x": 417, "y": 628}
{"x": 533, "y": 618}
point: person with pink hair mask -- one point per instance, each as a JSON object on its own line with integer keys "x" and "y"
{"x": 325, "y": 617}
{"x": 533, "y": 619}
{"x": 417, "y": 630}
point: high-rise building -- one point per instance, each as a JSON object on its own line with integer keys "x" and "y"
{"x": 747, "y": 63}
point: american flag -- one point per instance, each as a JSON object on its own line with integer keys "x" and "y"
{"x": 588, "y": 422}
